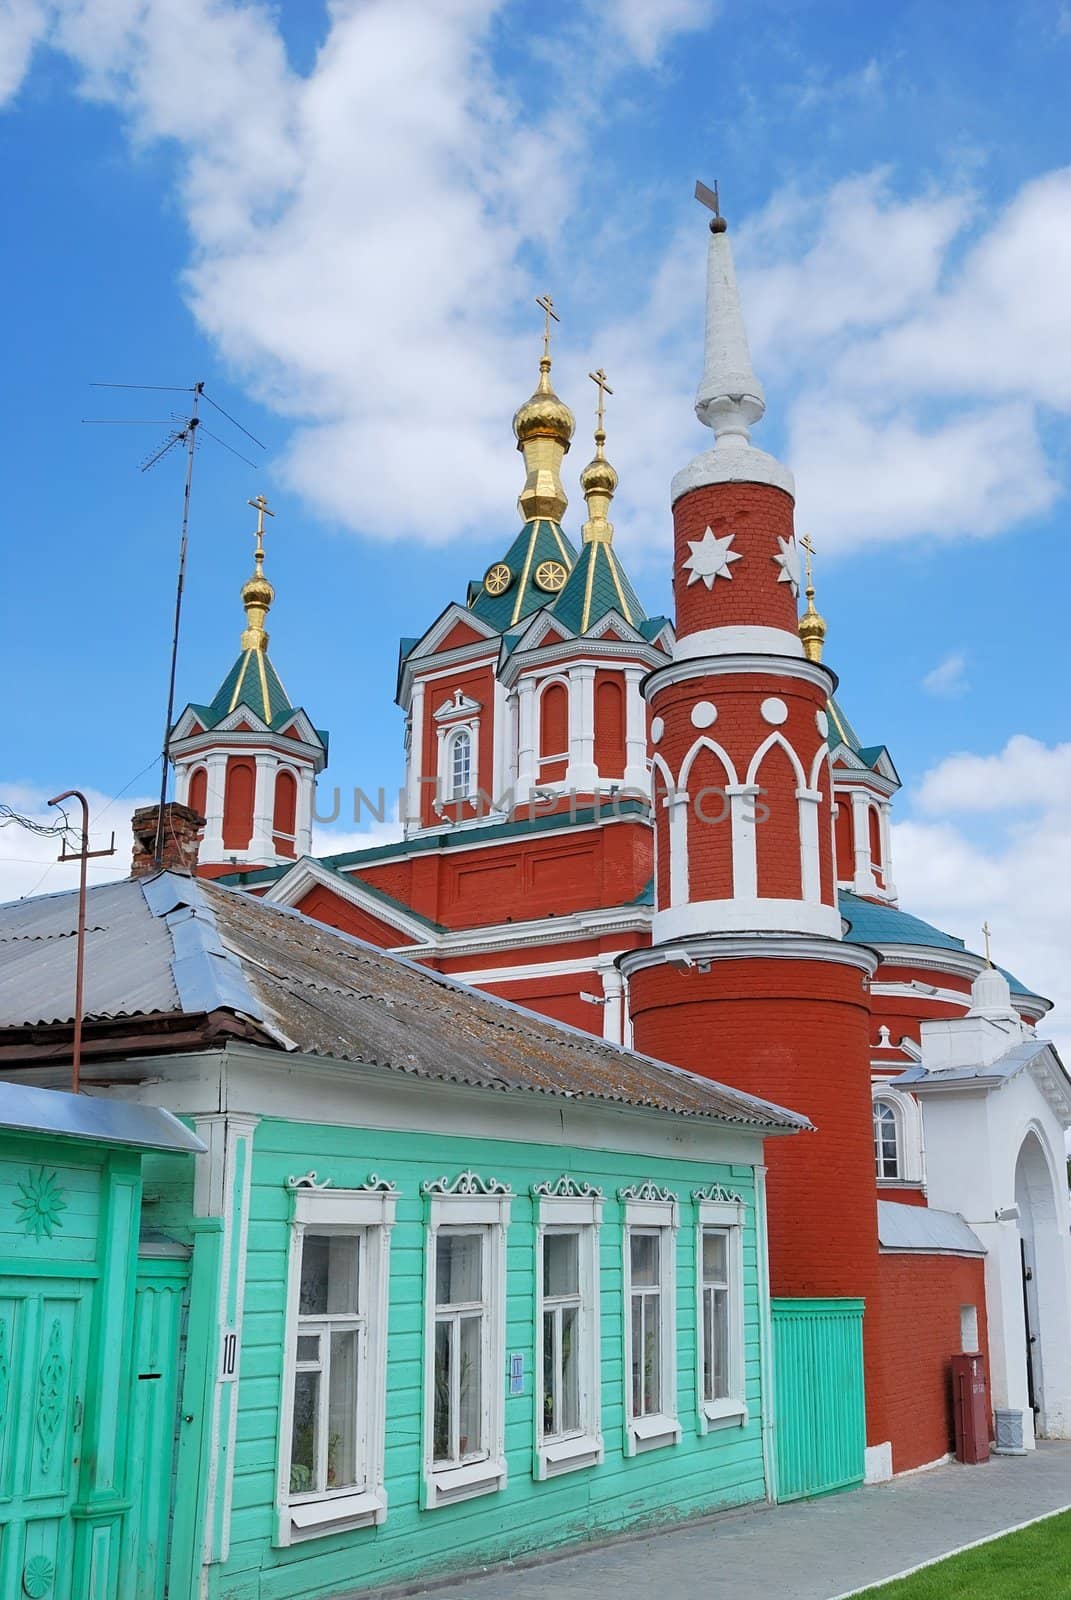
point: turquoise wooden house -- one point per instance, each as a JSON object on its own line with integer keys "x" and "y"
{"x": 456, "y": 1283}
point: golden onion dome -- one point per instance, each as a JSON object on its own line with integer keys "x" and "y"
{"x": 812, "y": 628}
{"x": 598, "y": 476}
{"x": 544, "y": 415}
{"x": 257, "y": 591}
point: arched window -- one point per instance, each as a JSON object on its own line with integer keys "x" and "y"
{"x": 886, "y": 1140}
{"x": 197, "y": 794}
{"x": 554, "y": 721}
{"x": 238, "y": 804}
{"x": 459, "y": 765}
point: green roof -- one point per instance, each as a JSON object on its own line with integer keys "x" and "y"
{"x": 538, "y": 541}
{"x": 872, "y": 922}
{"x": 597, "y": 584}
{"x": 843, "y": 729}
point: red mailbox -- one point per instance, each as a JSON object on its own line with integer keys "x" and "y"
{"x": 971, "y": 1411}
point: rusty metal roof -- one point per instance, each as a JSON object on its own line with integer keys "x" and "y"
{"x": 309, "y": 988}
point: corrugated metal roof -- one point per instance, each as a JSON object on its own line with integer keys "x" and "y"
{"x": 195, "y": 946}
{"x": 128, "y": 957}
{"x": 922, "y": 1228}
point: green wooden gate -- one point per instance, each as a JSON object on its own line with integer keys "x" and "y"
{"x": 160, "y": 1305}
{"x": 819, "y": 1400}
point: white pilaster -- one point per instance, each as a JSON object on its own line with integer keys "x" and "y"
{"x": 500, "y": 743}
{"x": 810, "y": 863}
{"x": 636, "y": 770}
{"x": 262, "y": 844}
{"x": 864, "y": 881}
{"x": 677, "y": 803}
{"x": 417, "y": 759}
{"x": 742, "y": 798}
{"x": 613, "y": 988}
{"x": 526, "y": 740}
{"x": 306, "y": 786}
{"x": 884, "y": 816}
{"x": 581, "y": 774}
{"x": 215, "y": 786}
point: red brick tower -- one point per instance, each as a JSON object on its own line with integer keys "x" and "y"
{"x": 748, "y": 979}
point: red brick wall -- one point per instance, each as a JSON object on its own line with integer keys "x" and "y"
{"x": 921, "y": 1298}
{"x": 756, "y": 515}
{"x": 338, "y": 913}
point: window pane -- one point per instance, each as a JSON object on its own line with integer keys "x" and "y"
{"x": 441, "y": 1447}
{"x": 470, "y": 1430}
{"x": 342, "y": 1411}
{"x": 637, "y": 1355}
{"x": 550, "y": 1357}
{"x": 458, "y": 1268}
{"x": 305, "y": 1438}
{"x": 561, "y": 1263}
{"x": 329, "y": 1274}
{"x": 715, "y": 1256}
{"x": 716, "y": 1344}
{"x": 570, "y": 1370}
{"x": 308, "y": 1347}
{"x": 644, "y": 1248}
{"x": 652, "y": 1355}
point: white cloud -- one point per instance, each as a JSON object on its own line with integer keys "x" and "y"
{"x": 1018, "y": 879}
{"x": 23, "y": 24}
{"x": 1025, "y": 774}
{"x": 948, "y": 677}
{"x": 647, "y": 26}
{"x": 28, "y": 862}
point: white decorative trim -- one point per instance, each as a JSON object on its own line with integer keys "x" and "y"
{"x": 717, "y": 1207}
{"x": 647, "y": 1190}
{"x": 308, "y": 1181}
{"x": 308, "y": 873}
{"x": 718, "y": 1193}
{"x": 566, "y": 1188}
{"x": 739, "y": 915}
{"x": 710, "y": 558}
{"x": 748, "y": 638}
{"x": 466, "y": 1183}
{"x": 738, "y": 664}
{"x": 696, "y": 951}
{"x": 910, "y": 1156}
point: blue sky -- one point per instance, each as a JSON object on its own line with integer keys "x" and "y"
{"x": 338, "y": 217}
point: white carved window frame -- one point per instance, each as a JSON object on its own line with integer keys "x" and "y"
{"x": 369, "y": 1216}
{"x": 727, "y": 1216}
{"x": 655, "y": 1430}
{"x": 909, "y": 1146}
{"x": 489, "y": 1216}
{"x": 583, "y": 1447}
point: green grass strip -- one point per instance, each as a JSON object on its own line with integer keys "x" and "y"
{"x": 1033, "y": 1564}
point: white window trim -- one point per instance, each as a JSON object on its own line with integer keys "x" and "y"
{"x": 908, "y": 1136}
{"x": 443, "y": 1487}
{"x": 584, "y": 1448}
{"x": 732, "y": 1411}
{"x": 372, "y": 1213}
{"x": 661, "y": 1428}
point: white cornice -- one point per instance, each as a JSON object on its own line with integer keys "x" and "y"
{"x": 576, "y": 926}
{"x": 960, "y": 963}
{"x": 691, "y": 953}
{"x": 735, "y": 666}
{"x": 298, "y": 750}
{"x": 584, "y": 651}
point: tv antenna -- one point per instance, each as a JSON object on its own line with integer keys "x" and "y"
{"x": 185, "y": 431}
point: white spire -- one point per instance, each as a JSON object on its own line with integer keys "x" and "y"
{"x": 730, "y": 397}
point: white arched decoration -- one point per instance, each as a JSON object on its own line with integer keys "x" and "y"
{"x": 1045, "y": 1282}
{"x": 808, "y": 800}
{"x": 907, "y": 1129}
{"x": 675, "y": 803}
{"x": 459, "y": 764}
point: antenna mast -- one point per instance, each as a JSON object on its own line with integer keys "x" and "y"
{"x": 190, "y": 433}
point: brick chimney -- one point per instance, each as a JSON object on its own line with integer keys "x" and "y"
{"x": 182, "y": 839}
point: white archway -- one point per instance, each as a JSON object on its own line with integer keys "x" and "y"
{"x": 1046, "y": 1298}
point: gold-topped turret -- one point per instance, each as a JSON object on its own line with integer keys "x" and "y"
{"x": 257, "y": 592}
{"x": 598, "y": 479}
{"x": 812, "y": 626}
{"x": 544, "y": 428}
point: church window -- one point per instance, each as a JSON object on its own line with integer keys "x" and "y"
{"x": 886, "y": 1140}
{"x": 331, "y": 1459}
{"x": 567, "y": 1335}
{"x": 465, "y": 1350}
{"x": 650, "y": 1324}
{"x": 460, "y": 764}
{"x": 719, "y": 1278}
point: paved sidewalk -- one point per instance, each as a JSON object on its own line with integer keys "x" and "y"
{"x": 805, "y": 1551}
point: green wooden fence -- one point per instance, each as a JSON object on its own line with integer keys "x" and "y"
{"x": 819, "y": 1404}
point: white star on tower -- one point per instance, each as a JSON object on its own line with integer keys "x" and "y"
{"x": 710, "y": 558}
{"x": 789, "y": 562}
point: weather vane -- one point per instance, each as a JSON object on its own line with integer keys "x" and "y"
{"x": 709, "y": 198}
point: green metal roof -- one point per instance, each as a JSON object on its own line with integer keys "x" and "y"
{"x": 537, "y": 541}
{"x": 871, "y": 922}
{"x": 843, "y": 729}
{"x": 252, "y": 682}
{"x": 597, "y": 584}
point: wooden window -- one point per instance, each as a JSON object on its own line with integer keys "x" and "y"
{"x": 568, "y": 1428}
{"x": 459, "y": 766}
{"x": 886, "y": 1140}
{"x": 720, "y": 1284}
{"x": 650, "y": 1325}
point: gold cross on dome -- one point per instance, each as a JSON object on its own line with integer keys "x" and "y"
{"x": 598, "y": 378}
{"x": 986, "y": 932}
{"x": 262, "y": 509}
{"x": 547, "y": 305}
{"x": 809, "y": 547}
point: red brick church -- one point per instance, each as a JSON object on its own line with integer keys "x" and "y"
{"x": 668, "y": 832}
